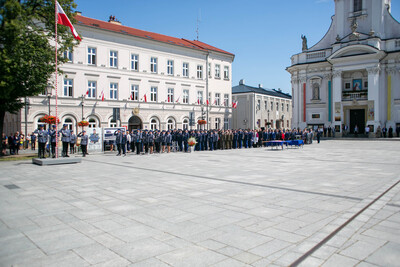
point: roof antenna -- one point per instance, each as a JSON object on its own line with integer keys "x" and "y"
{"x": 197, "y": 24}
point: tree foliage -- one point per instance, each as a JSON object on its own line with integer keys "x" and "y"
{"x": 27, "y": 50}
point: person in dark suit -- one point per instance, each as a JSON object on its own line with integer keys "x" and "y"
{"x": 185, "y": 137}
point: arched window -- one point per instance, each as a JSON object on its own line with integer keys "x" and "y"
{"x": 69, "y": 122}
{"x": 39, "y": 123}
{"x": 92, "y": 123}
{"x": 154, "y": 124}
{"x": 357, "y": 5}
{"x": 185, "y": 124}
{"x": 112, "y": 123}
{"x": 171, "y": 124}
{"x": 315, "y": 91}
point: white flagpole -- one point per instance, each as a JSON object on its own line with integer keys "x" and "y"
{"x": 56, "y": 20}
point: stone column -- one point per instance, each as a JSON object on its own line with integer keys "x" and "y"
{"x": 302, "y": 102}
{"x": 337, "y": 98}
{"x": 391, "y": 72}
{"x": 374, "y": 116}
{"x": 295, "y": 102}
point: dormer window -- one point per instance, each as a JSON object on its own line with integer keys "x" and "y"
{"x": 357, "y": 5}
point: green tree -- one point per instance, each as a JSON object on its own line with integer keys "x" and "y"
{"x": 27, "y": 51}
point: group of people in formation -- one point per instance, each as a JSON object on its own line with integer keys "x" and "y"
{"x": 68, "y": 139}
{"x": 156, "y": 141}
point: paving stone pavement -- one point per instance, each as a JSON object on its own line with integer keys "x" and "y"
{"x": 253, "y": 207}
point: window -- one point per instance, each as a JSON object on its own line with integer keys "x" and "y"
{"x": 68, "y": 87}
{"x": 92, "y": 89}
{"x": 153, "y": 65}
{"x": 357, "y": 5}
{"x": 113, "y": 123}
{"x": 258, "y": 104}
{"x": 365, "y": 85}
{"x": 226, "y": 72}
{"x": 209, "y": 70}
{"x": 92, "y": 123}
{"x": 113, "y": 59}
{"x": 114, "y": 91}
{"x": 171, "y": 124}
{"x": 287, "y": 123}
{"x": 217, "y": 71}
{"x": 272, "y": 105}
{"x": 217, "y": 123}
{"x": 153, "y": 94}
{"x": 134, "y": 62}
{"x": 266, "y": 105}
{"x": 200, "y": 97}
{"x": 69, "y": 122}
{"x": 283, "y": 107}
{"x": 134, "y": 92}
{"x": 170, "y": 67}
{"x": 226, "y": 124}
{"x": 39, "y": 123}
{"x": 287, "y": 107}
{"x": 68, "y": 55}
{"x": 209, "y": 98}
{"x": 226, "y": 100}
{"x": 217, "y": 99}
{"x": 154, "y": 124}
{"x": 199, "y": 72}
{"x": 277, "y": 106}
{"x": 185, "y": 70}
{"x": 185, "y": 96}
{"x": 185, "y": 124}
{"x": 170, "y": 95}
{"x": 91, "y": 56}
{"x": 315, "y": 91}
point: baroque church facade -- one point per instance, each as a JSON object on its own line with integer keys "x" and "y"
{"x": 350, "y": 77}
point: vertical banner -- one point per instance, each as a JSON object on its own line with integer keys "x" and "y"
{"x": 389, "y": 98}
{"x": 338, "y": 116}
{"x": 330, "y": 101}
{"x": 95, "y": 139}
{"x": 371, "y": 110}
{"x": 304, "y": 102}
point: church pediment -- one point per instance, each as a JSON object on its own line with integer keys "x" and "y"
{"x": 356, "y": 51}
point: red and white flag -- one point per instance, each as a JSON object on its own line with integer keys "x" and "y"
{"x": 169, "y": 99}
{"x": 215, "y": 102}
{"x": 102, "y": 95}
{"x": 177, "y": 100}
{"x": 198, "y": 101}
{"x": 87, "y": 92}
{"x": 145, "y": 98}
{"x": 131, "y": 97}
{"x": 62, "y": 19}
{"x": 234, "y": 104}
{"x": 208, "y": 103}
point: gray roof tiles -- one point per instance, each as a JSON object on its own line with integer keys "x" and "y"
{"x": 241, "y": 88}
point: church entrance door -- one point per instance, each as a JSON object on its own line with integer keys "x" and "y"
{"x": 357, "y": 117}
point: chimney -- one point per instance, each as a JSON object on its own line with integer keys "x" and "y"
{"x": 78, "y": 13}
{"x": 241, "y": 82}
{"x": 113, "y": 20}
{"x": 260, "y": 85}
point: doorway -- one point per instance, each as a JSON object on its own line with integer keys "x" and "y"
{"x": 357, "y": 117}
{"x": 134, "y": 123}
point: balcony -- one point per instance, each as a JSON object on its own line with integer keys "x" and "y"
{"x": 354, "y": 95}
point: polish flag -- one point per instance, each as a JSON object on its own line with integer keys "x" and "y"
{"x": 215, "y": 102}
{"x": 169, "y": 100}
{"x": 145, "y": 98}
{"x": 198, "y": 101}
{"x": 131, "y": 97}
{"x": 208, "y": 103}
{"x": 62, "y": 19}
{"x": 234, "y": 104}
{"x": 102, "y": 95}
{"x": 177, "y": 100}
{"x": 87, "y": 92}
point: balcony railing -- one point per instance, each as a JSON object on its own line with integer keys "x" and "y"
{"x": 355, "y": 95}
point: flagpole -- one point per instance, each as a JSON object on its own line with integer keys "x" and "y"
{"x": 56, "y": 21}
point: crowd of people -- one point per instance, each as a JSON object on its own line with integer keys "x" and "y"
{"x": 156, "y": 141}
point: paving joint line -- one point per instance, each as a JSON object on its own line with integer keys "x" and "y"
{"x": 235, "y": 182}
{"x": 337, "y": 230}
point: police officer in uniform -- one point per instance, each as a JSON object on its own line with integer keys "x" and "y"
{"x": 84, "y": 142}
{"x": 53, "y": 140}
{"x": 65, "y": 138}
{"x": 72, "y": 143}
{"x": 120, "y": 141}
{"x": 42, "y": 140}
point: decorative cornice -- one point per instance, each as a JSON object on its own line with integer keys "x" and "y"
{"x": 327, "y": 76}
{"x": 337, "y": 73}
{"x": 303, "y": 79}
{"x": 392, "y": 70}
{"x": 373, "y": 70}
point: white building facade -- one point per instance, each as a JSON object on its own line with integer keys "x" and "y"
{"x": 350, "y": 76}
{"x": 258, "y": 108}
{"x": 155, "y": 81}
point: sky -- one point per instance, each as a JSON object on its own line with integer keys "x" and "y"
{"x": 263, "y": 34}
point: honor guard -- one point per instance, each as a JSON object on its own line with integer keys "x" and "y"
{"x": 72, "y": 143}
{"x": 53, "y": 140}
{"x": 42, "y": 140}
{"x": 65, "y": 138}
{"x": 84, "y": 142}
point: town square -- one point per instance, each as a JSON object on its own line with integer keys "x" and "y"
{"x": 200, "y": 134}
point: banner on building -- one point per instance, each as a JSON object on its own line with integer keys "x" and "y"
{"x": 95, "y": 139}
{"x": 371, "y": 110}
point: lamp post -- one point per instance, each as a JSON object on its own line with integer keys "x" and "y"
{"x": 49, "y": 88}
{"x": 82, "y": 104}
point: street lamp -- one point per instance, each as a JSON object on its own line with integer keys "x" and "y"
{"x": 82, "y": 104}
{"x": 49, "y": 89}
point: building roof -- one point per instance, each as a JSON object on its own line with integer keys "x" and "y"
{"x": 242, "y": 88}
{"x": 99, "y": 24}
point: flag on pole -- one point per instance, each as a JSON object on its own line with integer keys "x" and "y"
{"x": 62, "y": 19}
{"x": 87, "y": 92}
{"x": 234, "y": 104}
{"x": 169, "y": 99}
{"x": 215, "y": 102}
{"x": 177, "y": 100}
{"x": 102, "y": 95}
{"x": 145, "y": 98}
{"x": 208, "y": 103}
{"x": 131, "y": 97}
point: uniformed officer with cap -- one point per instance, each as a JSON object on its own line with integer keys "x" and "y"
{"x": 84, "y": 142}
{"x": 53, "y": 140}
{"x": 65, "y": 138}
{"x": 72, "y": 143}
{"x": 42, "y": 140}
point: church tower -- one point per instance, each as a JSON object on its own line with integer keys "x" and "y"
{"x": 345, "y": 81}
